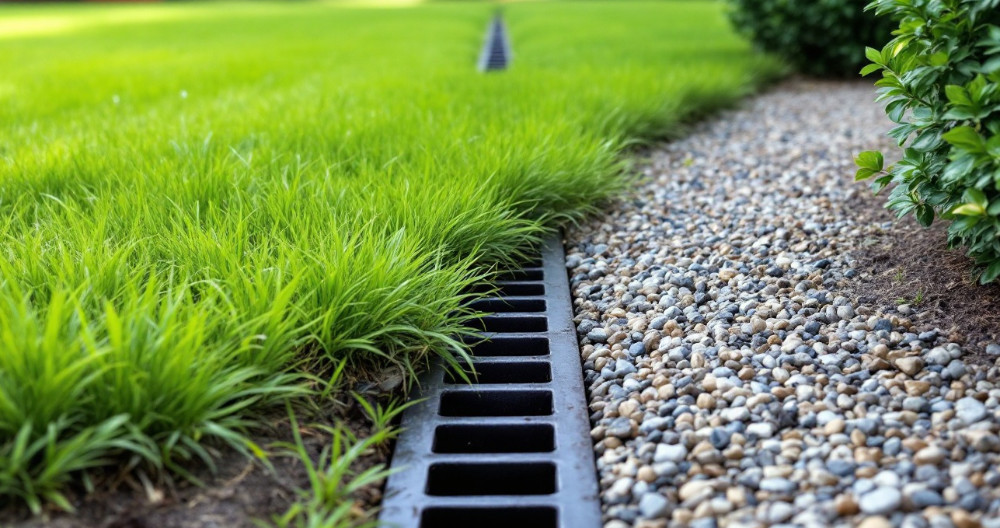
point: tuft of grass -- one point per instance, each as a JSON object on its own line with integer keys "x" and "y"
{"x": 205, "y": 208}
{"x": 917, "y": 300}
{"x": 333, "y": 479}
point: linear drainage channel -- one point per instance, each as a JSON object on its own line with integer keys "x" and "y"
{"x": 513, "y": 448}
{"x": 496, "y": 49}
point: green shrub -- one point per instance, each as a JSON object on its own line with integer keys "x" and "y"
{"x": 941, "y": 82}
{"x": 818, "y": 37}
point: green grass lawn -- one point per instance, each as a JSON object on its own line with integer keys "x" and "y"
{"x": 203, "y": 204}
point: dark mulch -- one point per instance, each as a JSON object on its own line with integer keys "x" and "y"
{"x": 913, "y": 265}
{"x": 241, "y": 493}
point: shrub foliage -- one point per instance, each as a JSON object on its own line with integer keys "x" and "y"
{"x": 941, "y": 82}
{"x": 818, "y": 37}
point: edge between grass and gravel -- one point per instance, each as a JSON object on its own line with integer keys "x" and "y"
{"x": 208, "y": 216}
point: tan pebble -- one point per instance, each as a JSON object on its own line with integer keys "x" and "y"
{"x": 666, "y": 392}
{"x": 682, "y": 516}
{"x": 914, "y": 444}
{"x": 708, "y": 383}
{"x": 697, "y": 360}
{"x": 894, "y": 355}
{"x": 597, "y": 432}
{"x": 705, "y": 401}
{"x": 858, "y": 438}
{"x": 702, "y": 447}
{"x": 695, "y": 488}
{"x": 704, "y": 510}
{"x": 782, "y": 392}
{"x": 733, "y": 452}
{"x": 727, "y": 274}
{"x": 875, "y": 522}
{"x": 846, "y": 505}
{"x": 916, "y": 388}
{"x": 651, "y": 523}
{"x": 910, "y": 366}
{"x": 867, "y": 454}
{"x": 878, "y": 364}
{"x": 837, "y": 425}
{"x": 627, "y": 407}
{"x": 930, "y": 456}
{"x": 777, "y": 471}
{"x": 617, "y": 337}
{"x": 792, "y": 434}
{"x": 646, "y": 474}
{"x": 713, "y": 470}
{"x": 612, "y": 442}
{"x": 651, "y": 340}
{"x": 880, "y": 350}
{"x": 964, "y": 519}
{"x": 824, "y": 478}
{"x": 737, "y": 495}
{"x": 866, "y": 472}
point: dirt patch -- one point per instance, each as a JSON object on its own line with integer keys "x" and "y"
{"x": 241, "y": 493}
{"x": 906, "y": 264}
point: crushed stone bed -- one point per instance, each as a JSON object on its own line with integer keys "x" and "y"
{"x": 732, "y": 380}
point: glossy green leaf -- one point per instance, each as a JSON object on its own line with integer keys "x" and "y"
{"x": 871, "y": 160}
{"x": 965, "y": 137}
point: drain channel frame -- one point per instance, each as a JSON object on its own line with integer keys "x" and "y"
{"x": 496, "y": 53}
{"x": 526, "y": 455}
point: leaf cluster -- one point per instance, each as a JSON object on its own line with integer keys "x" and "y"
{"x": 941, "y": 84}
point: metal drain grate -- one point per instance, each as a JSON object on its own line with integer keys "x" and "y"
{"x": 496, "y": 49}
{"x": 513, "y": 449}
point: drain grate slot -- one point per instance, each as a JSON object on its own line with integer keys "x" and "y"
{"x": 530, "y": 517}
{"x": 523, "y": 478}
{"x": 522, "y": 275}
{"x": 512, "y": 448}
{"x": 503, "y": 346}
{"x": 496, "y": 403}
{"x": 513, "y": 323}
{"x": 496, "y": 438}
{"x": 504, "y": 372}
{"x": 509, "y": 305}
{"x": 511, "y": 288}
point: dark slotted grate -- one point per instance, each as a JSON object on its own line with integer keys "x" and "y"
{"x": 513, "y": 448}
{"x": 496, "y": 48}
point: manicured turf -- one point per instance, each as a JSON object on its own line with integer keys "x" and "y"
{"x": 201, "y": 202}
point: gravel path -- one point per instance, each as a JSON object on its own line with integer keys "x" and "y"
{"x": 732, "y": 380}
